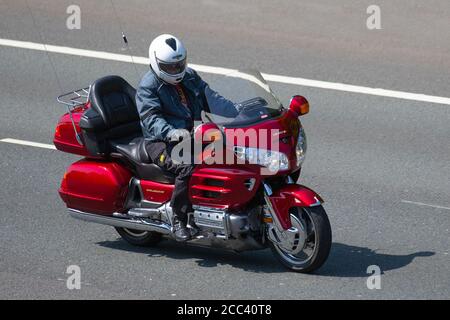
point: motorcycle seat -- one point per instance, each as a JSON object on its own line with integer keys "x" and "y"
{"x": 136, "y": 154}
{"x": 112, "y": 125}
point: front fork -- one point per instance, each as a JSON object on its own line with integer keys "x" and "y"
{"x": 275, "y": 231}
{"x": 283, "y": 227}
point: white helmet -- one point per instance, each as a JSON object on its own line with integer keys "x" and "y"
{"x": 168, "y": 58}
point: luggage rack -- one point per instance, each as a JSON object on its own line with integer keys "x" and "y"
{"x": 73, "y": 100}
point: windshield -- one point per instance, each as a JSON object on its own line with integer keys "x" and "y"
{"x": 242, "y": 98}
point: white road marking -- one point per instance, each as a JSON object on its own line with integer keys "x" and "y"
{"x": 29, "y": 143}
{"x": 357, "y": 89}
{"x": 224, "y": 71}
{"x": 425, "y": 204}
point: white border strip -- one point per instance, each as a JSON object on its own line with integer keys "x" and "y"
{"x": 224, "y": 71}
{"x": 29, "y": 143}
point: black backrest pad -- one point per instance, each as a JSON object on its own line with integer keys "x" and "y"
{"x": 113, "y": 114}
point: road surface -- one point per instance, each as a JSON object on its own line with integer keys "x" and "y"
{"x": 382, "y": 164}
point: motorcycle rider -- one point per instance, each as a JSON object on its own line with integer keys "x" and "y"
{"x": 170, "y": 97}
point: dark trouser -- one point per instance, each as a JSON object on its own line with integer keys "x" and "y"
{"x": 159, "y": 153}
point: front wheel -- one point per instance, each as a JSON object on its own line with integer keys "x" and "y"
{"x": 306, "y": 249}
{"x": 139, "y": 237}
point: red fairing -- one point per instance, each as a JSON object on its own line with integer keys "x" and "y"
{"x": 226, "y": 187}
{"x": 282, "y": 130}
{"x": 206, "y": 132}
{"x": 156, "y": 192}
{"x": 95, "y": 186}
{"x": 292, "y": 195}
{"x": 65, "y": 139}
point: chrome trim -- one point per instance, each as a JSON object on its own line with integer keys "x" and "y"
{"x": 167, "y": 215}
{"x": 267, "y": 189}
{"x": 203, "y": 240}
{"x": 272, "y": 235}
{"x": 227, "y": 225}
{"x": 273, "y": 214}
{"x": 72, "y": 100}
{"x": 250, "y": 183}
{"x": 144, "y": 212}
{"x": 75, "y": 98}
{"x": 152, "y": 203}
{"x": 276, "y": 233}
{"x": 289, "y": 252}
{"x": 289, "y": 180}
{"x": 211, "y": 209}
{"x": 220, "y": 224}
{"x": 317, "y": 203}
{"x": 267, "y": 193}
{"x": 137, "y": 224}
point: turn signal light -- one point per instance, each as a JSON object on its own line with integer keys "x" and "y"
{"x": 299, "y": 105}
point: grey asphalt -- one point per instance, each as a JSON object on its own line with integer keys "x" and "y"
{"x": 366, "y": 153}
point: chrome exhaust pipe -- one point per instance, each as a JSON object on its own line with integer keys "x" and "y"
{"x": 162, "y": 227}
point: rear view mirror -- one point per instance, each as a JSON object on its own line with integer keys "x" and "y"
{"x": 299, "y": 105}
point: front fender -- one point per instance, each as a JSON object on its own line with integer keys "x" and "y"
{"x": 292, "y": 195}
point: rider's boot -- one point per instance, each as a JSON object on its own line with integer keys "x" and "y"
{"x": 181, "y": 231}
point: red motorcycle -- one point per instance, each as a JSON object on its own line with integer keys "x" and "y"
{"x": 246, "y": 199}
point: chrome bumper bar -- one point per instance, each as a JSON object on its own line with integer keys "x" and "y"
{"x": 162, "y": 227}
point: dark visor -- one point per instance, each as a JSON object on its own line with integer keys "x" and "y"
{"x": 172, "y": 68}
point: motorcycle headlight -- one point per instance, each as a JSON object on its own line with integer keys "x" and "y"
{"x": 300, "y": 149}
{"x": 272, "y": 160}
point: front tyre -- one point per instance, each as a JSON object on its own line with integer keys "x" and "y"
{"x": 308, "y": 249}
{"x": 138, "y": 237}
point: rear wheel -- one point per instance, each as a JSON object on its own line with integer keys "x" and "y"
{"x": 307, "y": 249}
{"x": 139, "y": 237}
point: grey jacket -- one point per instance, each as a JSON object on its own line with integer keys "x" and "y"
{"x": 160, "y": 108}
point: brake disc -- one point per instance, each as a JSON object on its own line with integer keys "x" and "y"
{"x": 293, "y": 239}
